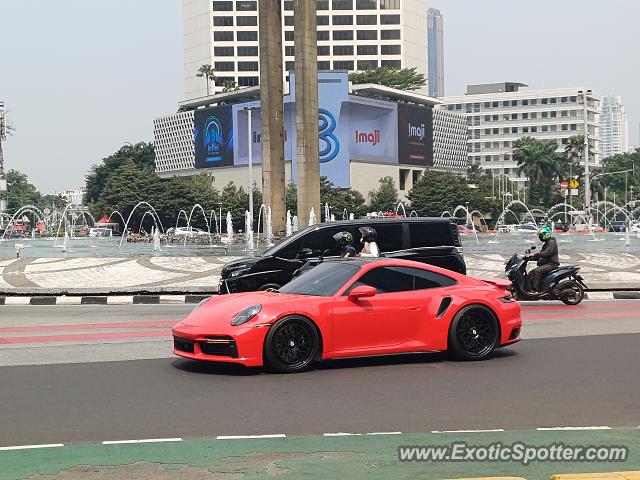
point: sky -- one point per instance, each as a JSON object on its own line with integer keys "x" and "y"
{"x": 81, "y": 78}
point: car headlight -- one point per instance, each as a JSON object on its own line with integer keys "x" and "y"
{"x": 238, "y": 272}
{"x": 202, "y": 302}
{"x": 245, "y": 315}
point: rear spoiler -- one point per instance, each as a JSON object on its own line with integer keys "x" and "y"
{"x": 497, "y": 282}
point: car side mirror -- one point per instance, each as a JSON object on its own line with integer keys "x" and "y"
{"x": 362, "y": 291}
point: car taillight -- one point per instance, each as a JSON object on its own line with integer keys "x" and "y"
{"x": 507, "y": 299}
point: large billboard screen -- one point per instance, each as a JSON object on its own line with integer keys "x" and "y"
{"x": 415, "y": 135}
{"x": 213, "y": 137}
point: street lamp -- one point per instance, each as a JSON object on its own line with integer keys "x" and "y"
{"x": 587, "y": 186}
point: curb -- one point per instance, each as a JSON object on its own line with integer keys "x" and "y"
{"x": 105, "y": 300}
{"x": 189, "y": 298}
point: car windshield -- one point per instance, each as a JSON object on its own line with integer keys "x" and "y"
{"x": 323, "y": 281}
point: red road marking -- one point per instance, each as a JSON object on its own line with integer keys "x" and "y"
{"x": 87, "y": 336}
{"x": 88, "y": 326}
{"x": 568, "y": 315}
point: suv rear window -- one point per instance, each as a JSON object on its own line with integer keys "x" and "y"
{"x": 430, "y": 234}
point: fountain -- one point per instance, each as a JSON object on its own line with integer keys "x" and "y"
{"x": 156, "y": 240}
{"x": 351, "y": 216}
{"x": 289, "y": 227}
{"x": 263, "y": 208}
{"x": 327, "y": 213}
{"x": 413, "y": 213}
{"x": 124, "y": 233}
{"x": 269, "y": 228}
{"x": 186, "y": 217}
{"x": 66, "y": 244}
{"x": 229, "y": 229}
{"x": 204, "y": 215}
{"x": 248, "y": 229}
{"x": 295, "y": 224}
{"x": 404, "y": 212}
{"x": 312, "y": 217}
{"x": 345, "y": 214}
{"x": 21, "y": 211}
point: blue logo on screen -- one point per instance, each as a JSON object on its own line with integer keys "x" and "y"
{"x": 329, "y": 143}
{"x": 212, "y": 139}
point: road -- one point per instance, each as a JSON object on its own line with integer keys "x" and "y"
{"x": 91, "y": 374}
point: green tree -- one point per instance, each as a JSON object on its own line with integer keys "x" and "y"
{"x": 208, "y": 73}
{"x": 140, "y": 154}
{"x": 340, "y": 199}
{"x": 124, "y": 188}
{"x": 182, "y": 193}
{"x": 617, "y": 182}
{"x": 291, "y": 198}
{"x": 385, "y": 197}
{"x": 230, "y": 86}
{"x": 437, "y": 192}
{"x": 402, "y": 79}
{"x": 19, "y": 191}
{"x": 543, "y": 167}
{"x": 236, "y": 201}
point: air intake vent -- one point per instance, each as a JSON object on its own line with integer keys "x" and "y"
{"x": 444, "y": 304}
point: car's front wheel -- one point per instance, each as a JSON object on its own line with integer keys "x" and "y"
{"x": 474, "y": 333}
{"x": 291, "y": 345}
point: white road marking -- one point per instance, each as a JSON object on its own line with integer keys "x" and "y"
{"x": 341, "y": 434}
{"x": 64, "y": 300}
{"x": 543, "y": 429}
{"x": 120, "y": 300}
{"x": 29, "y": 447}
{"x": 144, "y": 440}
{"x": 17, "y": 300}
{"x": 384, "y": 433}
{"x": 469, "y": 431}
{"x": 240, "y": 437}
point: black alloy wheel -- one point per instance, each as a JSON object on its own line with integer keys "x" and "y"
{"x": 291, "y": 345}
{"x": 474, "y": 333}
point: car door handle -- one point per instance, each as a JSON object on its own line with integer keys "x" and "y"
{"x": 415, "y": 309}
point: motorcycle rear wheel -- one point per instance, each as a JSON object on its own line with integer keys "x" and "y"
{"x": 571, "y": 293}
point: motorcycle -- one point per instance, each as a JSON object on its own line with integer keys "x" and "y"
{"x": 564, "y": 283}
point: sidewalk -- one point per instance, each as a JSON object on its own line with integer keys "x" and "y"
{"x": 200, "y": 275}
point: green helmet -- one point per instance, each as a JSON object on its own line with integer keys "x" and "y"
{"x": 544, "y": 233}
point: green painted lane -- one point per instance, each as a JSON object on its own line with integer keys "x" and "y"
{"x": 313, "y": 457}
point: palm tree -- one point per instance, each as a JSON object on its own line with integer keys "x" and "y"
{"x": 229, "y": 86}
{"x": 208, "y": 73}
{"x": 538, "y": 160}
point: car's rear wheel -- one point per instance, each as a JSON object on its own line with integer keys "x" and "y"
{"x": 291, "y": 345}
{"x": 269, "y": 286}
{"x": 474, "y": 333}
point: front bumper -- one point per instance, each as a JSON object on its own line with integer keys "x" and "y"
{"x": 244, "y": 347}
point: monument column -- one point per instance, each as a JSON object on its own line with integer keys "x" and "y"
{"x": 307, "y": 142}
{"x": 272, "y": 111}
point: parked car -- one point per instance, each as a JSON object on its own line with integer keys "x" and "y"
{"x": 428, "y": 240}
{"x": 561, "y": 226}
{"x": 353, "y": 307}
{"x": 187, "y": 231}
{"x": 617, "y": 226}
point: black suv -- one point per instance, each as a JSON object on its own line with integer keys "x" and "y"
{"x": 428, "y": 240}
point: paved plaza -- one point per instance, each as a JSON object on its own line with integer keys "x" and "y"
{"x": 201, "y": 274}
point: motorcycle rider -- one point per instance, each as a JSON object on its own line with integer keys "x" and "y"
{"x": 344, "y": 240}
{"x": 547, "y": 258}
{"x": 368, "y": 239}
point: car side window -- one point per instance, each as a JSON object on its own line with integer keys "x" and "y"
{"x": 386, "y": 280}
{"x": 322, "y": 239}
{"x": 290, "y": 251}
{"x": 430, "y": 234}
{"x": 402, "y": 279}
{"x": 424, "y": 279}
{"x": 389, "y": 236}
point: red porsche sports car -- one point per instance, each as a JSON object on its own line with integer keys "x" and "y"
{"x": 349, "y": 308}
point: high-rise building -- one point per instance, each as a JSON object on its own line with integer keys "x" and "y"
{"x": 614, "y": 127}
{"x": 499, "y": 114}
{"x": 352, "y": 35}
{"x": 436, "y": 53}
